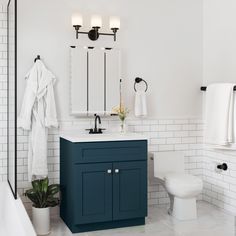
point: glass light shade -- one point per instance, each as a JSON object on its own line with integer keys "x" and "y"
{"x": 96, "y": 21}
{"x": 77, "y": 19}
{"x": 114, "y": 22}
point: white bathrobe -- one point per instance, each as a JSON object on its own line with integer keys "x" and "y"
{"x": 38, "y": 113}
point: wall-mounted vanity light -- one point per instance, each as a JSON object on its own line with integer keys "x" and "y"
{"x": 96, "y": 24}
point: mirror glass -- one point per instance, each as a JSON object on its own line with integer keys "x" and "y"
{"x": 95, "y": 80}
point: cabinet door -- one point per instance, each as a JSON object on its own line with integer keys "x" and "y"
{"x": 92, "y": 193}
{"x": 129, "y": 190}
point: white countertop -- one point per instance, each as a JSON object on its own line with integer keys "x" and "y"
{"x": 77, "y": 138}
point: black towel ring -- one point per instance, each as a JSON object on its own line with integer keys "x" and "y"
{"x": 37, "y": 58}
{"x": 137, "y": 81}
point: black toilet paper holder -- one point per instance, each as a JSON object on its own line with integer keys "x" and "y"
{"x": 222, "y": 166}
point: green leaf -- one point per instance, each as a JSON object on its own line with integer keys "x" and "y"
{"x": 36, "y": 185}
{"x": 44, "y": 186}
{"x": 52, "y": 202}
{"x": 53, "y": 189}
{"x": 31, "y": 194}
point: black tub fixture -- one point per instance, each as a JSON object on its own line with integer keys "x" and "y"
{"x": 96, "y": 24}
{"x": 223, "y": 166}
{"x": 137, "y": 81}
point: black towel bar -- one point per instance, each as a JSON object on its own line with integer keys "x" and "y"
{"x": 203, "y": 88}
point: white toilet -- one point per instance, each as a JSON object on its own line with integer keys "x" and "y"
{"x": 182, "y": 188}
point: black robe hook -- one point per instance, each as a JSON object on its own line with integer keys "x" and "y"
{"x": 37, "y": 58}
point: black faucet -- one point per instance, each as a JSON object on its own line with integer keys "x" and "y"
{"x": 96, "y": 130}
{"x": 97, "y": 118}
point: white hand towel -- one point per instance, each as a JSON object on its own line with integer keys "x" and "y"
{"x": 140, "y": 107}
{"x": 219, "y": 115}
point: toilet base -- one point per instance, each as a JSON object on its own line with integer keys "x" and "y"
{"x": 184, "y": 208}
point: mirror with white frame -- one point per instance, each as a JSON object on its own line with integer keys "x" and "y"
{"x": 95, "y": 80}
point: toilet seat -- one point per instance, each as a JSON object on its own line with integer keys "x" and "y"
{"x": 183, "y": 185}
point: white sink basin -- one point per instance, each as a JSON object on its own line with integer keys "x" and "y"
{"x": 76, "y": 138}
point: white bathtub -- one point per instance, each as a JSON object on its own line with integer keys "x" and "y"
{"x": 13, "y": 217}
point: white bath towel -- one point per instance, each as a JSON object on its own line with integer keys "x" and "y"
{"x": 220, "y": 115}
{"x": 140, "y": 107}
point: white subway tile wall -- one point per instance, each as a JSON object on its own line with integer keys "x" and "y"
{"x": 220, "y": 186}
{"x": 3, "y": 93}
{"x": 164, "y": 135}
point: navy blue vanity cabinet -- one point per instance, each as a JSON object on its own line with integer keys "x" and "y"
{"x": 103, "y": 184}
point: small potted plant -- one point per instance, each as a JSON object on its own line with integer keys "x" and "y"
{"x": 43, "y": 198}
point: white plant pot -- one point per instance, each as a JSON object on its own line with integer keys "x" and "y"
{"x": 41, "y": 220}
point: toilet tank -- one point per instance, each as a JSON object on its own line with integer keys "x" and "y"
{"x": 166, "y": 162}
{"x": 151, "y": 178}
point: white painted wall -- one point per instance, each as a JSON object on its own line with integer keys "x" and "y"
{"x": 161, "y": 41}
{"x": 4, "y": 2}
{"x": 219, "y": 41}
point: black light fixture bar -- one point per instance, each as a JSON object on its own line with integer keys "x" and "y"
{"x": 109, "y": 34}
{"x": 94, "y": 33}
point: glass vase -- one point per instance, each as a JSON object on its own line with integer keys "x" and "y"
{"x": 123, "y": 126}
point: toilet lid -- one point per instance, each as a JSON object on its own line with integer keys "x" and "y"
{"x": 182, "y": 179}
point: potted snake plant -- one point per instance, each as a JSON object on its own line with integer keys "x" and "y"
{"x": 43, "y": 198}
